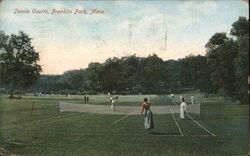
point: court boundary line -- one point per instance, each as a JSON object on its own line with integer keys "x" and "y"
{"x": 200, "y": 125}
{"x": 142, "y": 134}
{"x": 125, "y": 116}
{"x": 176, "y": 122}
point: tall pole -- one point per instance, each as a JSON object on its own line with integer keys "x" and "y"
{"x": 130, "y": 25}
{"x": 165, "y": 39}
{"x": 165, "y": 33}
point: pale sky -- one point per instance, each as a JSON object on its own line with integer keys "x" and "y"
{"x": 71, "y": 41}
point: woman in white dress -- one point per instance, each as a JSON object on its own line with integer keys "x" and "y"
{"x": 112, "y": 108}
{"x": 148, "y": 115}
{"x": 192, "y": 99}
{"x": 183, "y": 108}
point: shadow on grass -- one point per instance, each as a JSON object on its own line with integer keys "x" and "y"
{"x": 164, "y": 133}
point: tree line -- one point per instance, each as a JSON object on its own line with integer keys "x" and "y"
{"x": 223, "y": 70}
{"x": 131, "y": 75}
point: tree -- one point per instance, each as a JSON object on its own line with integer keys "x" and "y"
{"x": 201, "y": 80}
{"x": 47, "y": 84}
{"x": 131, "y": 73}
{"x": 113, "y": 75}
{"x": 18, "y": 61}
{"x": 72, "y": 79}
{"x": 240, "y": 29}
{"x": 193, "y": 73}
{"x": 93, "y": 74}
{"x": 154, "y": 74}
{"x": 221, "y": 52}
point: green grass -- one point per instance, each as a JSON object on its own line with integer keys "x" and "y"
{"x": 49, "y": 133}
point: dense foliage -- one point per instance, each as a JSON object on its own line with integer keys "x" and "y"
{"x": 18, "y": 61}
{"x": 131, "y": 75}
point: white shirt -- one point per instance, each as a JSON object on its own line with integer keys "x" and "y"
{"x": 183, "y": 106}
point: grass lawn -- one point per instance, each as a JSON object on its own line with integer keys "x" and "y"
{"x": 44, "y": 131}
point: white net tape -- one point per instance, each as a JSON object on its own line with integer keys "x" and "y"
{"x": 133, "y": 110}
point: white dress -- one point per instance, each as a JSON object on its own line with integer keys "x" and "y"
{"x": 183, "y": 108}
{"x": 112, "y": 108}
{"x": 192, "y": 100}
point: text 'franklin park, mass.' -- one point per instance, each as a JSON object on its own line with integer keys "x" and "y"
{"x": 64, "y": 11}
